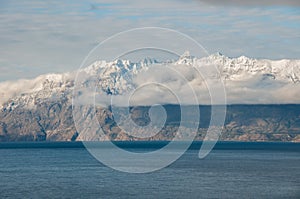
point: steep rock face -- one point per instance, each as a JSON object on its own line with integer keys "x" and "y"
{"x": 48, "y": 121}
{"x": 262, "y": 123}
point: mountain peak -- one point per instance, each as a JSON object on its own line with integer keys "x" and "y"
{"x": 148, "y": 61}
{"x": 218, "y": 54}
{"x": 185, "y": 58}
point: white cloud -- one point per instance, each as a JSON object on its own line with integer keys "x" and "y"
{"x": 180, "y": 84}
{"x": 253, "y": 3}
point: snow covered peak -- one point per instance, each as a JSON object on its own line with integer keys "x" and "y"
{"x": 185, "y": 58}
{"x": 112, "y": 77}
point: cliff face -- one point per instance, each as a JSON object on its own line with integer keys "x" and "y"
{"x": 48, "y": 121}
{"x": 262, "y": 123}
{"x": 54, "y": 122}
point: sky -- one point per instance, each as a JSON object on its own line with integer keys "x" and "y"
{"x": 38, "y": 37}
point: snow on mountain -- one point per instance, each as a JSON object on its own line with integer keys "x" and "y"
{"x": 238, "y": 68}
{"x": 116, "y": 78}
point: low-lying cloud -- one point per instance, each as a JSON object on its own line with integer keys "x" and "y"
{"x": 180, "y": 84}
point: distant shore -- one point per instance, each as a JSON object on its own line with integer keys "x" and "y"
{"x": 220, "y": 145}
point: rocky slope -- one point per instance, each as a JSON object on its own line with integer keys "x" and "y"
{"x": 53, "y": 122}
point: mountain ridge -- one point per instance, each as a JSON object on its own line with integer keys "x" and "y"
{"x": 110, "y": 73}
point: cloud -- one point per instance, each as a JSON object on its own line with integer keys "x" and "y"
{"x": 290, "y": 3}
{"x": 43, "y": 37}
{"x": 181, "y": 84}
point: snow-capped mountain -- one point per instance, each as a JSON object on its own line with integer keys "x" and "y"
{"x": 41, "y": 108}
{"x": 116, "y": 78}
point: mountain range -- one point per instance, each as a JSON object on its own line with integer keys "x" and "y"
{"x": 261, "y": 98}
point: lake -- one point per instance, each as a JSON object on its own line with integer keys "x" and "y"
{"x": 231, "y": 170}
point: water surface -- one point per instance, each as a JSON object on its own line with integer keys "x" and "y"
{"x": 232, "y": 170}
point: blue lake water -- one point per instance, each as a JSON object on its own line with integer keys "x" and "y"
{"x": 231, "y": 170}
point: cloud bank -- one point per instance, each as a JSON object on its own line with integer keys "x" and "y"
{"x": 187, "y": 85}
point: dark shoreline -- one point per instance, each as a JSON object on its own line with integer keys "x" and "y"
{"x": 220, "y": 145}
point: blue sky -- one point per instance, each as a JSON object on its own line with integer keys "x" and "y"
{"x": 39, "y": 37}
